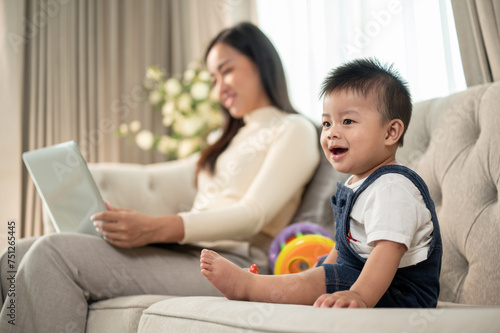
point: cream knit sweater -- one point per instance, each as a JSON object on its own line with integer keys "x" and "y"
{"x": 258, "y": 179}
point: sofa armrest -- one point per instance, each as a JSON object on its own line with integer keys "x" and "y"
{"x": 155, "y": 189}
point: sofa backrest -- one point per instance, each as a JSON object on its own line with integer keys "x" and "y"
{"x": 454, "y": 144}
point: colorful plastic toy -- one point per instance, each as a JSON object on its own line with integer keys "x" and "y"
{"x": 298, "y": 246}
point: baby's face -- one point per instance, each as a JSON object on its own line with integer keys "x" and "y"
{"x": 354, "y": 138}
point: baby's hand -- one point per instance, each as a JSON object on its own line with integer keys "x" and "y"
{"x": 340, "y": 299}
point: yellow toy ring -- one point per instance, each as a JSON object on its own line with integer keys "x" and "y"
{"x": 301, "y": 253}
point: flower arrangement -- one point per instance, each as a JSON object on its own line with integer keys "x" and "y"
{"x": 190, "y": 113}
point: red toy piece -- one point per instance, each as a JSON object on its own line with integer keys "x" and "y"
{"x": 254, "y": 269}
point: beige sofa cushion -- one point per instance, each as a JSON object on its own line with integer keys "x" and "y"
{"x": 217, "y": 314}
{"x": 120, "y": 314}
{"x": 454, "y": 144}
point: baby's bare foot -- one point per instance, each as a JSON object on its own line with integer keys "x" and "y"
{"x": 231, "y": 280}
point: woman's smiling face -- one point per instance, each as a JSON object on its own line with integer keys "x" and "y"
{"x": 236, "y": 80}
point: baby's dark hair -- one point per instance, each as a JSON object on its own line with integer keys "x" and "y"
{"x": 367, "y": 76}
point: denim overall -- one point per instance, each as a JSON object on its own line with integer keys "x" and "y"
{"x": 412, "y": 286}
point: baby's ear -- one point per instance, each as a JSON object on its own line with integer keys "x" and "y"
{"x": 395, "y": 129}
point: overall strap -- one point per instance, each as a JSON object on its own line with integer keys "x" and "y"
{"x": 399, "y": 169}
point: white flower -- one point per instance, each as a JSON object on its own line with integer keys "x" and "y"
{"x": 194, "y": 65}
{"x": 134, "y": 126}
{"x": 189, "y": 109}
{"x": 204, "y": 76}
{"x": 153, "y": 73}
{"x": 200, "y": 91}
{"x": 167, "y": 144}
{"x": 167, "y": 121}
{"x": 154, "y": 97}
{"x": 184, "y": 102}
{"x": 173, "y": 87}
{"x": 145, "y": 139}
{"x": 123, "y": 129}
{"x": 204, "y": 108}
{"x": 189, "y": 75}
{"x": 168, "y": 109}
{"x": 188, "y": 147}
{"x": 188, "y": 126}
{"x": 215, "y": 119}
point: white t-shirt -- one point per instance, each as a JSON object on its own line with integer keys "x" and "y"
{"x": 392, "y": 208}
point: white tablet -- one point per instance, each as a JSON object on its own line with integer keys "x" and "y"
{"x": 66, "y": 187}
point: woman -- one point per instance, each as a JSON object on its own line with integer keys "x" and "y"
{"x": 249, "y": 185}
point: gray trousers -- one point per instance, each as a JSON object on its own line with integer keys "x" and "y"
{"x": 60, "y": 274}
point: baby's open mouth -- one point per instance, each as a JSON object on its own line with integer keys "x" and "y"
{"x": 338, "y": 151}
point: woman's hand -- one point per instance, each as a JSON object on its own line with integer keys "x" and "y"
{"x": 129, "y": 228}
{"x": 340, "y": 299}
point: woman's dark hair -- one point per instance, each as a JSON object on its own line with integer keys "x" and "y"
{"x": 253, "y": 43}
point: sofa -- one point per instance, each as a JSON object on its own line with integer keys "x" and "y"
{"x": 453, "y": 142}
